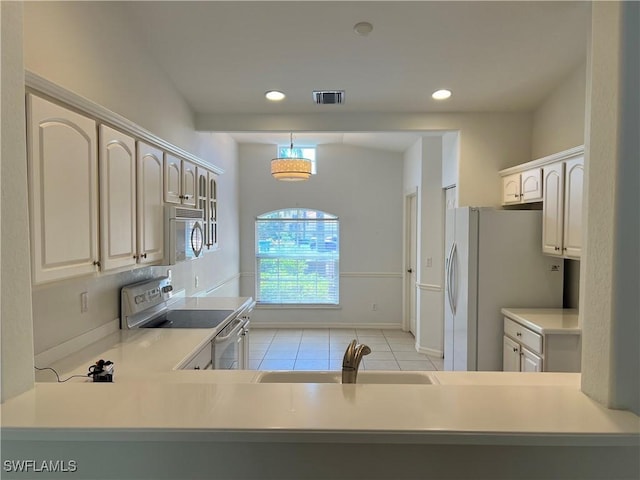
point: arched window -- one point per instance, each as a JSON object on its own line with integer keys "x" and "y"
{"x": 297, "y": 257}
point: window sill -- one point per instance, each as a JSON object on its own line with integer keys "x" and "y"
{"x": 296, "y": 306}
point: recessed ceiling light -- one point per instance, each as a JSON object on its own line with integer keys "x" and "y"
{"x": 441, "y": 94}
{"x": 363, "y": 28}
{"x": 274, "y": 95}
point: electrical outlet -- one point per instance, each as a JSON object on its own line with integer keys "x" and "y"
{"x": 555, "y": 268}
{"x": 84, "y": 302}
{"x": 196, "y": 281}
{"x": 374, "y": 307}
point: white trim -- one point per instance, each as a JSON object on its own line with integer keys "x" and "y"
{"x": 430, "y": 351}
{"x": 540, "y": 162}
{"x": 429, "y": 287}
{"x": 54, "y": 354}
{"x": 371, "y": 274}
{"x": 302, "y": 325}
{"x": 40, "y": 84}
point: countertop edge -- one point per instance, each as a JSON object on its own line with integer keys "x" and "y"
{"x": 423, "y": 437}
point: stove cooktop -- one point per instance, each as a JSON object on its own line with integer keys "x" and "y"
{"x": 189, "y": 319}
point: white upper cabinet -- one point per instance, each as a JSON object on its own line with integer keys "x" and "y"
{"x": 63, "y": 191}
{"x": 522, "y": 187}
{"x": 117, "y": 199}
{"x": 212, "y": 212}
{"x": 150, "y": 218}
{"x": 562, "y": 208}
{"x": 531, "y": 185}
{"x": 574, "y": 183}
{"x": 553, "y": 204}
{"x": 180, "y": 181}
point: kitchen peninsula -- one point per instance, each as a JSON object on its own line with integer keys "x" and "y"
{"x": 228, "y": 423}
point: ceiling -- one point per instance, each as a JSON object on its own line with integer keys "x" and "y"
{"x": 494, "y": 56}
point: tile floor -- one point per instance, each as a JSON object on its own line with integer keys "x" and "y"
{"x": 323, "y": 349}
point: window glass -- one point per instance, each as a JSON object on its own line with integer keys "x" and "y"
{"x": 297, "y": 256}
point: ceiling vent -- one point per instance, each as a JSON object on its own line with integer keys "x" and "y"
{"x": 328, "y": 97}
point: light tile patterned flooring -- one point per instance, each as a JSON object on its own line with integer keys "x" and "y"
{"x": 323, "y": 349}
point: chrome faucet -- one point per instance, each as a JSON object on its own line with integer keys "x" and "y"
{"x": 351, "y": 361}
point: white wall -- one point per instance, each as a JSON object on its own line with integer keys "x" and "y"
{"x": 611, "y": 263}
{"x": 558, "y": 122}
{"x": 15, "y": 295}
{"x": 91, "y": 49}
{"x": 363, "y": 187}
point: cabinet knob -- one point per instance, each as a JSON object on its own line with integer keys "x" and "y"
{"x": 518, "y": 334}
{"x": 96, "y": 263}
{"x": 197, "y": 368}
{"x": 135, "y": 257}
{"x": 144, "y": 255}
{"x": 515, "y": 349}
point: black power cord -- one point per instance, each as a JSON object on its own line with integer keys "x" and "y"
{"x": 58, "y": 376}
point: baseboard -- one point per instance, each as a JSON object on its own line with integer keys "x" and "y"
{"x": 430, "y": 351}
{"x": 71, "y": 346}
{"x": 379, "y": 326}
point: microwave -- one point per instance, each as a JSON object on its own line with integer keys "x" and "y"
{"x": 184, "y": 233}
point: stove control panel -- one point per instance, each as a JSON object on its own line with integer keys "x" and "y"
{"x": 141, "y": 297}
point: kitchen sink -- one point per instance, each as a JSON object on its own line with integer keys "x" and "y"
{"x": 379, "y": 377}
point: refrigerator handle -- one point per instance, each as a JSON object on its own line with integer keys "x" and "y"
{"x": 453, "y": 284}
{"x": 449, "y": 266}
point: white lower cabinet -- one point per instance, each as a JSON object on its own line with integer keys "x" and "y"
{"x": 201, "y": 360}
{"x": 527, "y": 351}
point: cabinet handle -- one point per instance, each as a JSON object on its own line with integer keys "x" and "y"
{"x": 197, "y": 368}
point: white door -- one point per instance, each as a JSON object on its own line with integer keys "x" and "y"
{"x": 189, "y": 183}
{"x": 552, "y": 208}
{"x": 411, "y": 261}
{"x": 530, "y": 362}
{"x": 150, "y": 205}
{"x": 510, "y": 355}
{"x": 531, "y": 185}
{"x": 63, "y": 188}
{"x": 449, "y": 235}
{"x": 172, "y": 179}
{"x": 511, "y": 189}
{"x": 117, "y": 199}
{"x": 574, "y": 180}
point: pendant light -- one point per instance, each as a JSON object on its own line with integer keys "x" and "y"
{"x": 292, "y": 168}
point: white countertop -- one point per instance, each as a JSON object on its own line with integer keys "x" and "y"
{"x": 149, "y": 395}
{"x": 546, "y": 321}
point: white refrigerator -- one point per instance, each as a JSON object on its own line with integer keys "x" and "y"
{"x": 493, "y": 259}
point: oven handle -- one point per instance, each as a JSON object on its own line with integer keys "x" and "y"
{"x": 235, "y": 330}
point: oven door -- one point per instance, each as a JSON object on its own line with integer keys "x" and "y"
{"x": 227, "y": 346}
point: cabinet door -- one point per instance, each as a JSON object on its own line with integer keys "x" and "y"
{"x": 212, "y": 211}
{"x": 189, "y": 184}
{"x": 172, "y": 179}
{"x": 574, "y": 179}
{"x": 63, "y": 190}
{"x": 203, "y": 202}
{"x": 117, "y": 199}
{"x": 511, "y": 189}
{"x": 552, "y": 209}
{"x": 150, "y": 206}
{"x": 510, "y": 355}
{"x": 530, "y": 362}
{"x": 531, "y": 185}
